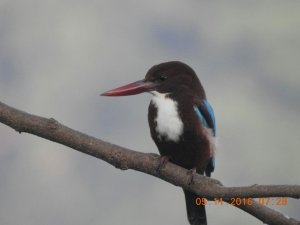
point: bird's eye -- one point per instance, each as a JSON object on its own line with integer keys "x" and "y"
{"x": 162, "y": 77}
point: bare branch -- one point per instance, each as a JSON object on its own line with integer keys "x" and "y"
{"x": 148, "y": 163}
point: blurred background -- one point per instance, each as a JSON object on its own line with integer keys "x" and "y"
{"x": 57, "y": 56}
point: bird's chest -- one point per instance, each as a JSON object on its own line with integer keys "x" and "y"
{"x": 165, "y": 121}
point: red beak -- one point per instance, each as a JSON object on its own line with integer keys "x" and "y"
{"x": 131, "y": 89}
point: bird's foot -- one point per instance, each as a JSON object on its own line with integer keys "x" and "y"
{"x": 162, "y": 162}
{"x": 191, "y": 174}
{"x": 154, "y": 155}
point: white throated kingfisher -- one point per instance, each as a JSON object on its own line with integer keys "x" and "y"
{"x": 182, "y": 122}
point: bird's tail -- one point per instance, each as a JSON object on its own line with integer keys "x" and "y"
{"x": 196, "y": 213}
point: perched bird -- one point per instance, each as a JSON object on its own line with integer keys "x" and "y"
{"x": 182, "y": 122}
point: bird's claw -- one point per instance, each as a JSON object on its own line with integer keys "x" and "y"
{"x": 154, "y": 155}
{"x": 191, "y": 174}
{"x": 162, "y": 162}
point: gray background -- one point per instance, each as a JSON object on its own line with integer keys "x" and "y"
{"x": 57, "y": 56}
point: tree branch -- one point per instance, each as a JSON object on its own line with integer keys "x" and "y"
{"x": 123, "y": 158}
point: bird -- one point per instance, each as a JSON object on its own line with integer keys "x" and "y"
{"x": 181, "y": 120}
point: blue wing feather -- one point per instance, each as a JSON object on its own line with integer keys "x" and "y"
{"x": 206, "y": 115}
{"x": 211, "y": 115}
{"x": 203, "y": 121}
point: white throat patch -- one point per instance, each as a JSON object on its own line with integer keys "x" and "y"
{"x": 169, "y": 124}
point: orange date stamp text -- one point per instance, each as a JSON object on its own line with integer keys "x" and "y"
{"x": 236, "y": 201}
